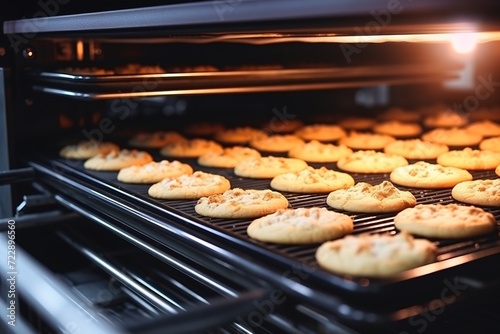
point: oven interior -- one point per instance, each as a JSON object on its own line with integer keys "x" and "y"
{"x": 145, "y": 265}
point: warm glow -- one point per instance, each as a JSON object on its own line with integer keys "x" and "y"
{"x": 464, "y": 43}
{"x": 79, "y": 50}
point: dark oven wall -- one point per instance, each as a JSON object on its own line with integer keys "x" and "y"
{"x": 360, "y": 82}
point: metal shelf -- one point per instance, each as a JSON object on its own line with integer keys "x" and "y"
{"x": 101, "y": 87}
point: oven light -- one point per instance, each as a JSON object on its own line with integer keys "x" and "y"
{"x": 464, "y": 43}
{"x": 79, "y": 50}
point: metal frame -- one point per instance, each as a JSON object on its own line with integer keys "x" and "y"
{"x": 5, "y": 190}
{"x": 243, "y": 11}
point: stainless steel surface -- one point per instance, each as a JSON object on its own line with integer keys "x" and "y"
{"x": 242, "y": 11}
{"x": 5, "y": 190}
{"x": 59, "y": 306}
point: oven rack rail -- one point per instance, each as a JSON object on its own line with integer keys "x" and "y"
{"x": 105, "y": 87}
{"x": 338, "y": 17}
{"x": 350, "y": 299}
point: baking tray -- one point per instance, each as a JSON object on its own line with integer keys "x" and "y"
{"x": 457, "y": 259}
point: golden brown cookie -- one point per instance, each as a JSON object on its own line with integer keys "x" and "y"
{"x": 478, "y": 192}
{"x": 87, "y": 149}
{"x": 153, "y": 171}
{"x": 320, "y": 132}
{"x": 239, "y": 135}
{"x": 312, "y": 180}
{"x": 431, "y": 176}
{"x": 116, "y": 160}
{"x": 300, "y": 226}
{"x": 364, "y": 197}
{"x": 470, "y": 159}
{"x": 276, "y": 143}
{"x": 192, "y": 148}
{"x": 490, "y": 144}
{"x": 268, "y": 167}
{"x": 445, "y": 119}
{"x": 485, "y": 128}
{"x": 399, "y": 114}
{"x": 366, "y": 141}
{"x": 281, "y": 126}
{"x": 416, "y": 149}
{"x": 375, "y": 255}
{"x": 450, "y": 221}
{"x": 315, "y": 151}
{"x": 155, "y": 139}
{"x": 203, "y": 129}
{"x": 357, "y": 123}
{"x": 228, "y": 158}
{"x": 452, "y": 137}
{"x": 398, "y": 129}
{"x": 189, "y": 186}
{"x": 371, "y": 162}
{"x": 240, "y": 203}
{"x": 482, "y": 114}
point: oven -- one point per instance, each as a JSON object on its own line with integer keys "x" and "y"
{"x": 85, "y": 253}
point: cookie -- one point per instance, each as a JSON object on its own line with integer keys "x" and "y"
{"x": 478, "y": 192}
{"x": 445, "y": 119}
{"x": 155, "y": 139}
{"x": 239, "y": 135}
{"x": 399, "y": 114}
{"x": 357, "y": 123}
{"x": 320, "y": 132}
{"x": 192, "y": 148}
{"x": 450, "y": 221}
{"x": 315, "y": 151}
{"x": 116, "y": 160}
{"x": 300, "y": 226}
{"x": 203, "y": 129}
{"x": 375, "y": 255}
{"x": 239, "y": 203}
{"x": 228, "y": 158}
{"x": 276, "y": 143}
{"x": 470, "y": 159}
{"x": 87, "y": 149}
{"x": 490, "y": 144}
{"x": 282, "y": 125}
{"x": 416, "y": 149}
{"x": 311, "y": 180}
{"x": 189, "y": 186}
{"x": 452, "y": 137}
{"x": 366, "y": 141}
{"x": 268, "y": 167}
{"x": 482, "y": 114}
{"x": 427, "y": 175}
{"x": 364, "y": 197}
{"x": 371, "y": 162}
{"x": 485, "y": 128}
{"x": 153, "y": 171}
{"x": 398, "y": 129}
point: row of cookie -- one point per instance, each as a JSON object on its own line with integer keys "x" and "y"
{"x": 239, "y": 203}
{"x": 405, "y": 122}
{"x": 377, "y": 255}
{"x": 373, "y": 138}
{"x": 291, "y": 175}
{"x": 383, "y": 255}
{"x": 211, "y": 154}
{"x": 434, "y": 143}
{"x": 248, "y": 162}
